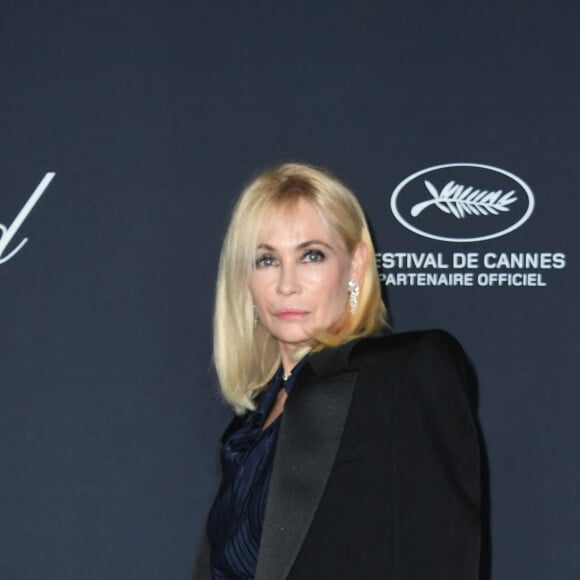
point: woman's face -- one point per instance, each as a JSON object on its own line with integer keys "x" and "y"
{"x": 299, "y": 283}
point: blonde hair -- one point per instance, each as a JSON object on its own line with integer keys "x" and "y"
{"x": 246, "y": 357}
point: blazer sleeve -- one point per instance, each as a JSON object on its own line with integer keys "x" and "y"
{"x": 436, "y": 464}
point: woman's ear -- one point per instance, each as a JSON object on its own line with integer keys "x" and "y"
{"x": 359, "y": 261}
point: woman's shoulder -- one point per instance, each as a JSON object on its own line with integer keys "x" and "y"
{"x": 414, "y": 343}
{"x": 431, "y": 360}
{"x": 407, "y": 349}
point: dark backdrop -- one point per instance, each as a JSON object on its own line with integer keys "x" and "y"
{"x": 153, "y": 115}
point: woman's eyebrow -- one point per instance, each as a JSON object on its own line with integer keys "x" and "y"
{"x": 314, "y": 243}
{"x": 300, "y": 246}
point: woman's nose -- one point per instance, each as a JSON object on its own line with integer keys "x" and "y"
{"x": 288, "y": 282}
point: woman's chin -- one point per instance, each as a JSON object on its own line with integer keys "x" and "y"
{"x": 293, "y": 339}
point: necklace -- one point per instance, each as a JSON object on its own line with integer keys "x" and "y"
{"x": 286, "y": 376}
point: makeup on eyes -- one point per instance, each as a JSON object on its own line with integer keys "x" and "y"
{"x": 315, "y": 253}
{"x": 310, "y": 253}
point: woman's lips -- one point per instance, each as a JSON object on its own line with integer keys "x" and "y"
{"x": 291, "y": 314}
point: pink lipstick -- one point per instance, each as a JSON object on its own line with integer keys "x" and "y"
{"x": 290, "y": 314}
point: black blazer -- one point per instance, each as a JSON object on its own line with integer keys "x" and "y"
{"x": 377, "y": 469}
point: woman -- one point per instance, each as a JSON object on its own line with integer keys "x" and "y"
{"x": 353, "y": 454}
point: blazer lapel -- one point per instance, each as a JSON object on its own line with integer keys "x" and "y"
{"x": 310, "y": 433}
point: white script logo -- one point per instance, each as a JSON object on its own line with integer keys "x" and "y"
{"x": 8, "y": 233}
{"x": 462, "y": 202}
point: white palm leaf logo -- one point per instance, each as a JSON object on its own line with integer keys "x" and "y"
{"x": 459, "y": 201}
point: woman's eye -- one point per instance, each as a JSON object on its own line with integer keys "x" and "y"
{"x": 313, "y": 256}
{"x": 265, "y": 261}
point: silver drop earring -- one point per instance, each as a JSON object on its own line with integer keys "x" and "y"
{"x": 353, "y": 292}
{"x": 255, "y": 320}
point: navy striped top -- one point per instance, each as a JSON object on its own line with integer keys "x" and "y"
{"x": 235, "y": 521}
